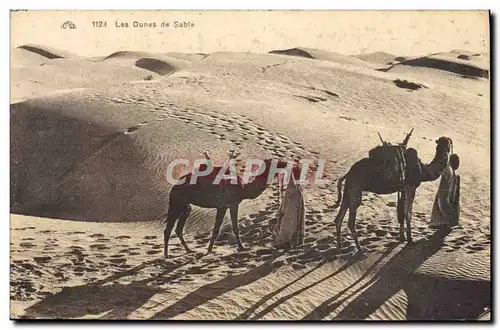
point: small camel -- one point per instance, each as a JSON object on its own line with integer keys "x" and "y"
{"x": 363, "y": 176}
{"x": 220, "y": 196}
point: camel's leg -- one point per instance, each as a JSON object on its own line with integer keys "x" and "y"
{"x": 401, "y": 214}
{"x": 233, "y": 210}
{"x": 173, "y": 214}
{"x": 355, "y": 202}
{"x": 340, "y": 217}
{"x": 218, "y": 222}
{"x": 410, "y": 196}
{"x": 180, "y": 226}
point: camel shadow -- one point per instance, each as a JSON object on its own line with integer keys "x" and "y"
{"x": 115, "y": 301}
{"x": 214, "y": 290}
{"x": 106, "y": 299}
{"x": 103, "y": 298}
{"x": 398, "y": 275}
{"x": 349, "y": 262}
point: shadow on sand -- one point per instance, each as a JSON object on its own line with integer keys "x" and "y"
{"x": 428, "y": 298}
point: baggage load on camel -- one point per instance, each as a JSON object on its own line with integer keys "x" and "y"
{"x": 390, "y": 161}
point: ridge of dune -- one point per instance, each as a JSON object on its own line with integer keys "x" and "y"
{"x": 62, "y": 73}
{"x": 449, "y": 64}
{"x": 157, "y": 66}
{"x": 128, "y": 54}
{"x": 48, "y": 52}
{"x": 23, "y": 57}
{"x": 377, "y": 57}
{"x": 323, "y": 55}
{"x": 161, "y": 64}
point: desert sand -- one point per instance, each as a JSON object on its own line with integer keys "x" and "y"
{"x": 91, "y": 139}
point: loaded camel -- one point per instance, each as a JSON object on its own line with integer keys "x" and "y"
{"x": 220, "y": 196}
{"x": 365, "y": 175}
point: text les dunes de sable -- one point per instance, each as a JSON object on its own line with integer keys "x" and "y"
{"x": 174, "y": 24}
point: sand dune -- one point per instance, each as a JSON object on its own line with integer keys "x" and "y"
{"x": 58, "y": 74}
{"x": 454, "y": 65}
{"x": 51, "y": 73}
{"x": 91, "y": 139}
{"x": 445, "y": 69}
{"x": 23, "y": 57}
{"x": 47, "y": 52}
{"x": 127, "y": 54}
{"x": 324, "y": 56}
{"x": 155, "y": 66}
{"x": 377, "y": 57}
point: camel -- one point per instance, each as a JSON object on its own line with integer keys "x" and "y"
{"x": 363, "y": 176}
{"x": 220, "y": 196}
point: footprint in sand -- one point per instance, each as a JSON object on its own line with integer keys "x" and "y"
{"x": 238, "y": 265}
{"x": 150, "y": 237}
{"x": 27, "y": 245}
{"x": 475, "y": 247}
{"x": 122, "y": 237}
{"x": 96, "y": 235}
{"x": 131, "y": 129}
{"x": 42, "y": 260}
{"x": 99, "y": 247}
{"x": 45, "y": 231}
{"x": 458, "y": 242}
{"x": 264, "y": 251}
{"x": 391, "y": 204}
{"x": 380, "y": 232}
{"x": 324, "y": 247}
{"x": 117, "y": 256}
{"x": 117, "y": 260}
{"x": 325, "y": 240}
{"x": 198, "y": 270}
{"x": 391, "y": 244}
{"x": 24, "y": 228}
{"x": 297, "y": 266}
{"x": 76, "y": 232}
{"x": 309, "y": 240}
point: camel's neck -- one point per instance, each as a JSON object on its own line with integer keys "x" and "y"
{"x": 255, "y": 188}
{"x": 433, "y": 170}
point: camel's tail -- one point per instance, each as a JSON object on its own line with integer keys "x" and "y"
{"x": 339, "y": 191}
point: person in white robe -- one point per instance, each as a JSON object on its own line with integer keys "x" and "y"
{"x": 446, "y": 208}
{"x": 289, "y": 229}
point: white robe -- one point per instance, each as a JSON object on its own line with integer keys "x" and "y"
{"x": 446, "y": 208}
{"x": 290, "y": 226}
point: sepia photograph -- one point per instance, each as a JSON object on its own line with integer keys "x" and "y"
{"x": 250, "y": 165}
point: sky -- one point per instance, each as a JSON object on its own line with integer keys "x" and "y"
{"x": 348, "y": 32}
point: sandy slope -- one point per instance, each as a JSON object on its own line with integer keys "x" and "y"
{"x": 98, "y": 152}
{"x": 325, "y": 56}
{"x": 377, "y": 57}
